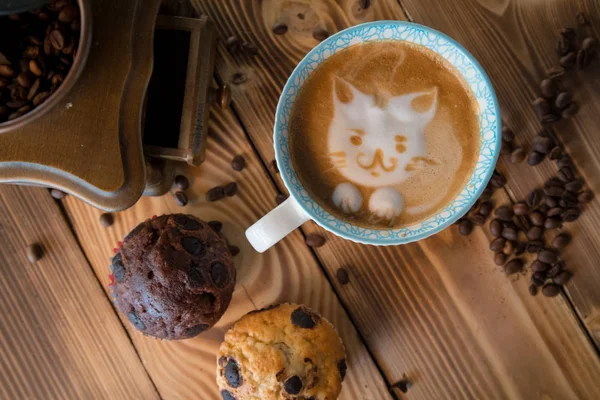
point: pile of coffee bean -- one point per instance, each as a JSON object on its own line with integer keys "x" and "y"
{"x": 37, "y": 50}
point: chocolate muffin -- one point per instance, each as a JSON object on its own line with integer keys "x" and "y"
{"x": 173, "y": 276}
{"x": 281, "y": 352}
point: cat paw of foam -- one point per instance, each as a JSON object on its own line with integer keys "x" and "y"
{"x": 386, "y": 203}
{"x": 347, "y": 198}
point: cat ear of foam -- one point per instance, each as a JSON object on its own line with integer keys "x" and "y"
{"x": 403, "y": 108}
{"x": 343, "y": 91}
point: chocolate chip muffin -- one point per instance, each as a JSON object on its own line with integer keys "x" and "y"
{"x": 173, "y": 277}
{"x": 281, "y": 352}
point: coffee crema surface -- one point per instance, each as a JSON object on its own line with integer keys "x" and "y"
{"x": 384, "y": 134}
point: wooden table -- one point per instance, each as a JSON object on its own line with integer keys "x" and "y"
{"x": 438, "y": 313}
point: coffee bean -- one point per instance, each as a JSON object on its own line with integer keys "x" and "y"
{"x": 571, "y": 215}
{"x": 507, "y": 134}
{"x": 117, "y": 267}
{"x": 574, "y": 186}
{"x": 566, "y": 174}
{"x": 226, "y": 395}
{"x": 34, "y": 253}
{"x": 535, "y": 233}
{"x": 552, "y": 202}
{"x": 293, "y": 385}
{"x": 568, "y": 60}
{"x": 233, "y": 44}
{"x": 249, "y": 49}
{"x": 238, "y": 163}
{"x": 589, "y": 44}
{"x": 486, "y": 194}
{"x": 569, "y": 200}
{"x": 568, "y": 33}
{"x": 7, "y": 71}
{"x": 548, "y": 88}
{"x": 364, "y": 4}
{"x": 216, "y": 225}
{"x": 542, "y": 144}
{"x": 238, "y": 78}
{"x": 506, "y": 148}
{"x": 106, "y": 219}
{"x": 520, "y": 208}
{"x": 543, "y": 208}
{"x": 497, "y": 244}
{"x": 232, "y": 374}
{"x": 535, "y": 198}
{"x": 555, "y": 211}
{"x": 181, "y": 182}
{"x": 562, "y": 278}
{"x": 547, "y": 256}
{"x": 136, "y": 321}
{"x": 505, "y": 213}
{"x": 563, "y": 99}
{"x": 551, "y": 290}
{"x": 342, "y": 276}
{"x": 57, "y": 39}
{"x": 496, "y": 227}
{"x": 555, "y": 73}
{"x": 563, "y": 46}
{"x": 500, "y": 259}
{"x": 517, "y": 156}
{"x": 477, "y": 219}
{"x": 555, "y": 153}
{"x": 279, "y": 28}
{"x": 40, "y": 98}
{"x": 556, "y": 268}
{"x": 15, "y": 104}
{"x": 181, "y": 198}
{"x": 582, "y": 19}
{"x": 510, "y": 233}
{"x": 554, "y": 191}
{"x": 498, "y": 180}
{"x": 538, "y": 266}
{"x": 583, "y": 59}
{"x": 68, "y": 14}
{"x": 570, "y": 111}
{"x": 315, "y": 240}
{"x": 533, "y": 290}
{"x": 538, "y": 278}
{"x": 34, "y": 89}
{"x": 565, "y": 161}
{"x": 218, "y": 274}
{"x": 215, "y": 194}
{"x": 230, "y": 189}
{"x": 541, "y": 106}
{"x": 57, "y": 194}
{"x": 486, "y": 208}
{"x": 303, "y": 318}
{"x": 514, "y": 266}
{"x": 320, "y": 34}
{"x": 550, "y": 118}
{"x": 552, "y": 223}
{"x": 280, "y": 198}
{"x": 535, "y": 158}
{"x": 192, "y": 245}
{"x": 585, "y": 197}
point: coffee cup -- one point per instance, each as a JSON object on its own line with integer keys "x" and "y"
{"x": 301, "y": 207}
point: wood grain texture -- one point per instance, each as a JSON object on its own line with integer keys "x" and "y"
{"x": 186, "y": 369}
{"x": 515, "y": 41}
{"x": 59, "y": 336}
{"x": 438, "y": 311}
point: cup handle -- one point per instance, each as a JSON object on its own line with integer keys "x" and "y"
{"x": 276, "y": 225}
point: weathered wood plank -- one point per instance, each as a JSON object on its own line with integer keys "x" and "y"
{"x": 59, "y": 336}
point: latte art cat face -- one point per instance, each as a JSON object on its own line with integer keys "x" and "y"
{"x": 375, "y": 144}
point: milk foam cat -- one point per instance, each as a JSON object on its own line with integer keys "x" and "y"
{"x": 377, "y": 145}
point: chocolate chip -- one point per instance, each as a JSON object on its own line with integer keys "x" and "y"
{"x": 303, "y": 318}
{"x": 234, "y": 250}
{"x": 536, "y": 218}
{"x": 230, "y": 189}
{"x": 513, "y": 266}
{"x": 497, "y": 244}
{"x": 192, "y": 245}
{"x": 496, "y": 227}
{"x": 315, "y": 240}
{"x": 500, "y": 258}
{"x": 238, "y": 163}
{"x": 280, "y": 198}
{"x": 181, "y": 182}
{"x": 548, "y": 88}
{"x": 533, "y": 290}
{"x": 538, "y": 266}
{"x": 547, "y": 256}
{"x": 136, "y": 321}
{"x": 342, "y": 367}
{"x": 517, "y": 156}
{"x": 551, "y": 290}
{"x": 218, "y": 274}
{"x": 552, "y": 223}
{"x": 34, "y": 253}
{"x": 226, "y": 395}
{"x": 498, "y": 180}
{"x": 195, "y": 330}
{"x": 279, "y": 28}
{"x": 507, "y": 134}
{"x": 118, "y": 268}
{"x": 181, "y": 198}
{"x": 562, "y": 277}
{"x": 477, "y": 219}
{"x": 342, "y": 276}
{"x": 541, "y": 106}
{"x": 232, "y": 373}
{"x": 535, "y": 158}
{"x": 187, "y": 223}
{"x": 320, "y": 33}
{"x": 216, "y": 225}
{"x": 505, "y": 213}
{"x": 57, "y": 194}
{"x": 215, "y": 194}
{"x": 293, "y": 385}
{"x": 585, "y": 196}
{"x": 572, "y": 214}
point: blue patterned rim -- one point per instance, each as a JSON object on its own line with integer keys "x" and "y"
{"x": 489, "y": 123}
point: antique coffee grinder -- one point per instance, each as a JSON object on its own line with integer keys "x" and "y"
{"x": 134, "y": 100}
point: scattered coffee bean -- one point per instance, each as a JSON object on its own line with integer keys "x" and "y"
{"x": 106, "y": 219}
{"x": 551, "y": 290}
{"x": 181, "y": 198}
{"x": 496, "y": 227}
{"x": 486, "y": 194}
{"x": 565, "y": 161}
{"x": 238, "y": 163}
{"x": 230, "y": 189}
{"x": 568, "y": 60}
{"x": 498, "y": 180}
{"x": 507, "y": 134}
{"x": 486, "y": 208}
{"x": 320, "y": 34}
{"x": 568, "y": 33}
{"x": 538, "y": 278}
{"x": 563, "y": 99}
{"x": 315, "y": 240}
{"x": 547, "y": 256}
{"x": 215, "y": 194}
{"x": 538, "y": 266}
{"x": 279, "y": 28}
{"x": 181, "y": 182}
{"x": 34, "y": 253}
{"x": 520, "y": 208}
{"x": 497, "y": 244}
{"x": 249, "y": 49}
{"x": 233, "y": 44}
{"x": 505, "y": 213}
{"x": 541, "y": 106}
{"x": 342, "y": 276}
{"x": 589, "y": 44}
{"x": 583, "y": 59}
{"x": 562, "y": 277}
{"x": 585, "y": 196}
{"x": 506, "y": 148}
{"x": 234, "y": 250}
{"x": 570, "y": 111}
{"x": 477, "y": 219}
{"x": 582, "y": 19}
{"x": 542, "y": 144}
{"x": 555, "y": 153}
{"x": 403, "y": 385}
{"x": 548, "y": 88}
{"x": 280, "y": 198}
{"x": 500, "y": 259}
{"x": 238, "y": 78}
{"x": 533, "y": 290}
{"x": 552, "y": 223}
{"x": 514, "y": 266}
{"x": 550, "y": 118}
{"x": 364, "y": 4}
{"x": 535, "y": 158}
{"x": 571, "y": 215}
{"x": 57, "y": 194}
{"x": 517, "y": 156}
{"x": 465, "y": 227}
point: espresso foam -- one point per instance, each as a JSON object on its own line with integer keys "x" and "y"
{"x": 384, "y": 133}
